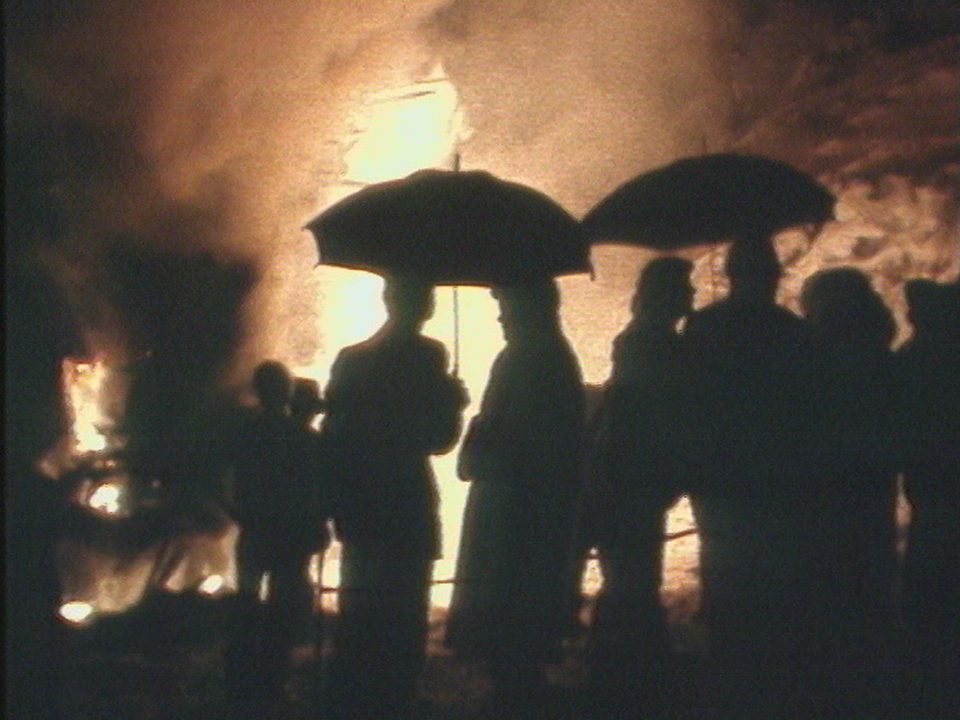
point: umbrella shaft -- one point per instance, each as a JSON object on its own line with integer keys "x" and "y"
{"x": 456, "y": 331}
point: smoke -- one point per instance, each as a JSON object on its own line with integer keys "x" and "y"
{"x": 215, "y": 129}
{"x": 200, "y": 128}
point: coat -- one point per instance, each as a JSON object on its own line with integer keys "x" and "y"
{"x": 523, "y": 454}
{"x": 390, "y": 405}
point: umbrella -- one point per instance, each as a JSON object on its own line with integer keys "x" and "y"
{"x": 709, "y": 199}
{"x": 452, "y": 228}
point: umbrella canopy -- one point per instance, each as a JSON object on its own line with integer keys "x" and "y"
{"x": 709, "y": 199}
{"x": 452, "y": 228}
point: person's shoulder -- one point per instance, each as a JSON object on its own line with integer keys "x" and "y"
{"x": 432, "y": 348}
{"x": 716, "y": 308}
{"x": 793, "y": 325}
{"x": 350, "y": 352}
{"x": 708, "y": 316}
{"x": 430, "y": 344}
{"x": 787, "y": 315}
{"x": 351, "y": 357}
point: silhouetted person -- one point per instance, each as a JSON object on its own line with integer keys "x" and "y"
{"x": 305, "y": 405}
{"x": 265, "y": 475}
{"x": 929, "y": 429}
{"x": 753, "y": 463}
{"x": 390, "y": 406}
{"x": 269, "y": 500}
{"x": 641, "y": 480}
{"x": 853, "y": 330}
{"x": 523, "y": 454}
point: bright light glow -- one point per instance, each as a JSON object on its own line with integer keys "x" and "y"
{"x": 681, "y": 557}
{"x": 77, "y": 612}
{"x": 263, "y": 589}
{"x": 313, "y": 568}
{"x": 330, "y": 577}
{"x": 106, "y": 498}
{"x": 592, "y": 580}
{"x": 212, "y": 584}
{"x": 405, "y": 129}
{"x": 83, "y": 387}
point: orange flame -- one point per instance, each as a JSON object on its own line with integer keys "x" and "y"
{"x": 83, "y": 386}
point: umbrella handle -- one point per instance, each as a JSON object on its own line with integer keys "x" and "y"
{"x": 456, "y": 331}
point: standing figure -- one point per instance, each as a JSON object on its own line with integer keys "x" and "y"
{"x": 266, "y": 473}
{"x": 390, "y": 406}
{"x": 311, "y": 461}
{"x": 270, "y": 494}
{"x": 853, "y": 330}
{"x": 640, "y": 480}
{"x": 929, "y": 428}
{"x": 523, "y": 454}
{"x": 756, "y": 489}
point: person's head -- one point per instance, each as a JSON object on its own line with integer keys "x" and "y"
{"x": 305, "y": 401}
{"x": 664, "y": 290}
{"x": 842, "y": 303}
{"x": 273, "y": 384}
{"x": 753, "y": 270}
{"x": 528, "y": 308}
{"x": 409, "y": 301}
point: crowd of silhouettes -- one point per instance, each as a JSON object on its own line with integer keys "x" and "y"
{"x": 787, "y": 431}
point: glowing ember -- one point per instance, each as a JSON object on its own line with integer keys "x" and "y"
{"x": 263, "y": 590}
{"x": 77, "y": 612}
{"x": 212, "y": 585}
{"x": 83, "y": 387}
{"x": 592, "y": 581}
{"x": 681, "y": 555}
{"x": 106, "y": 498}
{"x": 330, "y": 577}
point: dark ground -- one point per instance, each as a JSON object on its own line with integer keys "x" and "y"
{"x": 164, "y": 660}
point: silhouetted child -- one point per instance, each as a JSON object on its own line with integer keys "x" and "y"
{"x": 268, "y": 498}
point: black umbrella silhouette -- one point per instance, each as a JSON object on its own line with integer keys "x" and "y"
{"x": 709, "y": 199}
{"x": 452, "y": 227}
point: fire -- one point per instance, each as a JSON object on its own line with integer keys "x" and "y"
{"x": 84, "y": 383}
{"x": 105, "y": 498}
{"x": 77, "y": 612}
{"x": 404, "y": 129}
{"x": 263, "y": 589}
{"x": 212, "y": 585}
